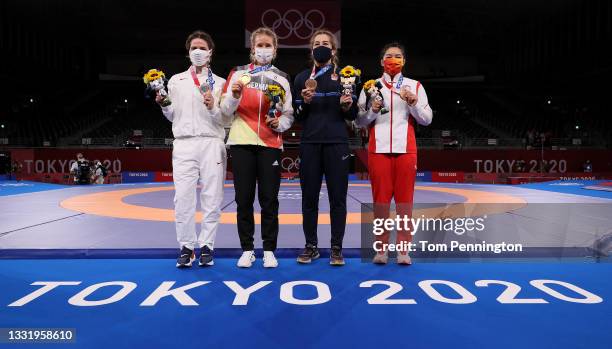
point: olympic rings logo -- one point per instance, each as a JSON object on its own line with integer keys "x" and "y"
{"x": 289, "y": 164}
{"x": 294, "y": 22}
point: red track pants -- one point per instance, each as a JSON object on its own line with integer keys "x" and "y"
{"x": 392, "y": 176}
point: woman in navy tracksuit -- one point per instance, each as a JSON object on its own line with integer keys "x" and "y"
{"x": 324, "y": 150}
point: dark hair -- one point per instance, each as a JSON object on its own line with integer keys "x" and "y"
{"x": 198, "y": 34}
{"x": 391, "y": 45}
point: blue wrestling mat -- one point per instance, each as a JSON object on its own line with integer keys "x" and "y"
{"x": 577, "y": 187}
{"x": 70, "y": 259}
{"x": 11, "y": 187}
{"x": 324, "y": 305}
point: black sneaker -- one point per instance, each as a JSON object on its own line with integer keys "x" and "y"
{"x": 206, "y": 257}
{"x": 309, "y": 254}
{"x": 186, "y": 258}
{"x": 335, "y": 257}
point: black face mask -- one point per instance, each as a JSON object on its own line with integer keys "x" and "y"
{"x": 321, "y": 54}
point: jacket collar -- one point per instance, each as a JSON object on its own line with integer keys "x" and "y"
{"x": 388, "y": 79}
{"x": 204, "y": 71}
{"x": 252, "y": 66}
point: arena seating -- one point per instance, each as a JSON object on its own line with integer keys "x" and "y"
{"x": 467, "y": 119}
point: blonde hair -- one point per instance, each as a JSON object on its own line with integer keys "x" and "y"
{"x": 263, "y": 31}
{"x": 334, "y": 44}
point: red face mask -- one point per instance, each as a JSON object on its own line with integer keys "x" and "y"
{"x": 393, "y": 65}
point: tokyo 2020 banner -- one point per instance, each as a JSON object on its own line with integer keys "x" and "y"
{"x": 43, "y": 160}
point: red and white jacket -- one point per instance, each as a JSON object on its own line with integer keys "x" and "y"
{"x": 393, "y": 132}
{"x": 249, "y": 112}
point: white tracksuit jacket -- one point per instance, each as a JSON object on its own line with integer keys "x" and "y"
{"x": 198, "y": 154}
{"x": 393, "y": 132}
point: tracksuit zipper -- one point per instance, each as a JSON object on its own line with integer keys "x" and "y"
{"x": 391, "y": 124}
{"x": 259, "y": 111}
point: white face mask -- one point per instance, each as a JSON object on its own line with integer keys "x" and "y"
{"x": 199, "y": 57}
{"x": 264, "y": 55}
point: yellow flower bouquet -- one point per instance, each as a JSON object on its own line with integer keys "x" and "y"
{"x": 372, "y": 90}
{"x": 349, "y": 76}
{"x": 155, "y": 81}
{"x": 350, "y": 71}
{"x": 368, "y": 85}
{"x": 276, "y": 95}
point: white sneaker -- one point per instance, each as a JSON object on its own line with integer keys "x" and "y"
{"x": 403, "y": 258}
{"x": 380, "y": 258}
{"x": 269, "y": 261}
{"x": 246, "y": 260}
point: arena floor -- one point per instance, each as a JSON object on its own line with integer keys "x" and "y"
{"x": 100, "y": 240}
{"x": 137, "y": 219}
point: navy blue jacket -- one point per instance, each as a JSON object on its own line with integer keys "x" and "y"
{"x": 323, "y": 120}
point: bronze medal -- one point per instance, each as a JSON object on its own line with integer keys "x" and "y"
{"x": 311, "y": 84}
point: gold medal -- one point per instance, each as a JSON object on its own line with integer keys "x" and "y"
{"x": 245, "y": 79}
{"x": 311, "y": 84}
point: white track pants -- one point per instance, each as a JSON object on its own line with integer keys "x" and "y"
{"x": 194, "y": 158}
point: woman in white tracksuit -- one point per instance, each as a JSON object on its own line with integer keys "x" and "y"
{"x": 198, "y": 150}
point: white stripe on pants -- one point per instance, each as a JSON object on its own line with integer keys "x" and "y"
{"x": 194, "y": 158}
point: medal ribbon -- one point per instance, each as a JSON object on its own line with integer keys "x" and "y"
{"x": 259, "y": 69}
{"x": 320, "y": 72}
{"x": 390, "y": 84}
{"x": 210, "y": 80}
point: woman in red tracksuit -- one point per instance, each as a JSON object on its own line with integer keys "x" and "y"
{"x": 392, "y": 153}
